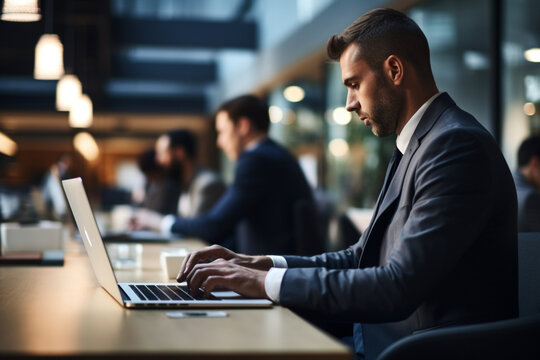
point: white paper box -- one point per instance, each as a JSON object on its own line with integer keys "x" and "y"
{"x": 39, "y": 237}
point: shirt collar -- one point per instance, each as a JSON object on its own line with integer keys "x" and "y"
{"x": 403, "y": 139}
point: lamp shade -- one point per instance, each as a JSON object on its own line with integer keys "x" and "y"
{"x": 49, "y": 62}
{"x": 85, "y": 144}
{"x": 7, "y": 146}
{"x": 68, "y": 90}
{"x": 81, "y": 113}
{"x": 20, "y": 11}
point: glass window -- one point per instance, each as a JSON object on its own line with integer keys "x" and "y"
{"x": 521, "y": 74}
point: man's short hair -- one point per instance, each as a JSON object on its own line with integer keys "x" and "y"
{"x": 528, "y": 148}
{"x": 381, "y": 33}
{"x": 184, "y": 139}
{"x": 250, "y": 107}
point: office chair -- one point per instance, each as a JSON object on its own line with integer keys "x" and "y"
{"x": 309, "y": 239}
{"x": 508, "y": 339}
{"x": 529, "y": 273}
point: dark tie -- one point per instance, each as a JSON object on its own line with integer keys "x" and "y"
{"x": 394, "y": 162}
{"x": 396, "y": 157}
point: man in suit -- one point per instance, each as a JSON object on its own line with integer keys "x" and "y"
{"x": 527, "y": 178}
{"x": 441, "y": 248}
{"x": 259, "y": 207}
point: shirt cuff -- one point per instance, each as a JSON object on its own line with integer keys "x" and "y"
{"x": 272, "y": 283}
{"x": 166, "y": 224}
{"x": 279, "y": 261}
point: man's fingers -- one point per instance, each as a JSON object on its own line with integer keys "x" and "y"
{"x": 205, "y": 255}
{"x": 180, "y": 277}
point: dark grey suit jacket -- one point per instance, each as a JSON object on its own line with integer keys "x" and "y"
{"x": 441, "y": 248}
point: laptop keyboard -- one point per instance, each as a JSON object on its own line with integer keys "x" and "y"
{"x": 161, "y": 292}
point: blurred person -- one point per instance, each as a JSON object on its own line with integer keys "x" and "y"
{"x": 195, "y": 189}
{"x": 258, "y": 208}
{"x": 160, "y": 192}
{"x": 200, "y": 187}
{"x": 51, "y": 188}
{"x": 441, "y": 248}
{"x": 527, "y": 179}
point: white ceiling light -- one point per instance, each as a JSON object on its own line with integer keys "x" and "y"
{"x": 86, "y": 145}
{"x": 68, "y": 90}
{"x": 20, "y": 11}
{"x": 7, "y": 146}
{"x": 81, "y": 113}
{"x": 294, "y": 93}
{"x": 338, "y": 147}
{"x": 532, "y": 55}
{"x": 529, "y": 108}
{"x": 276, "y": 114}
{"x": 341, "y": 116}
{"x": 49, "y": 62}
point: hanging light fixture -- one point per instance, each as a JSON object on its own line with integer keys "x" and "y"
{"x": 49, "y": 63}
{"x": 20, "y": 11}
{"x": 81, "y": 113}
{"x": 84, "y": 143}
{"x": 68, "y": 90}
{"x": 7, "y": 146}
{"x": 49, "y": 59}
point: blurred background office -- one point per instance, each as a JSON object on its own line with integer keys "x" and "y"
{"x": 144, "y": 67}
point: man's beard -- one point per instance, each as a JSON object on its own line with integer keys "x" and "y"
{"x": 386, "y": 110}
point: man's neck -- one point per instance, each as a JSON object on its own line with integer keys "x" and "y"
{"x": 415, "y": 97}
{"x": 253, "y": 141}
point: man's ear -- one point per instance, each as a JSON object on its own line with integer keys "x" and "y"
{"x": 393, "y": 69}
{"x": 243, "y": 126}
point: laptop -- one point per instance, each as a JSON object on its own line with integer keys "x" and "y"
{"x": 138, "y": 295}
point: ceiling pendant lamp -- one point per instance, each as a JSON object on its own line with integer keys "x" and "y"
{"x": 20, "y": 11}
{"x": 49, "y": 63}
{"x": 7, "y": 146}
{"x": 86, "y": 145}
{"x": 81, "y": 113}
{"x": 68, "y": 90}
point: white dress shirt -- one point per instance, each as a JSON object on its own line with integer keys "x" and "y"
{"x": 272, "y": 282}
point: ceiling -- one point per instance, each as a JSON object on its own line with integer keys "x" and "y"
{"x": 133, "y": 56}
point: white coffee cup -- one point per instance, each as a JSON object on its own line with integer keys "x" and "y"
{"x": 171, "y": 261}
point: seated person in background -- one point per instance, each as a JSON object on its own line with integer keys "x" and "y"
{"x": 268, "y": 183}
{"x": 200, "y": 188}
{"x": 527, "y": 179}
{"x": 441, "y": 248}
{"x": 161, "y": 191}
{"x": 51, "y": 189}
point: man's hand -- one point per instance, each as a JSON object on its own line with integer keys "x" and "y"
{"x": 222, "y": 273}
{"x": 145, "y": 219}
{"x": 215, "y": 252}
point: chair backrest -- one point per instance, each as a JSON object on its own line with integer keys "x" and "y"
{"x": 529, "y": 273}
{"x": 311, "y": 227}
{"x": 507, "y": 339}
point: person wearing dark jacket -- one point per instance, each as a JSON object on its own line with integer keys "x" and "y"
{"x": 259, "y": 206}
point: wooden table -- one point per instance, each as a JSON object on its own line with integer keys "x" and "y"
{"x": 61, "y": 311}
